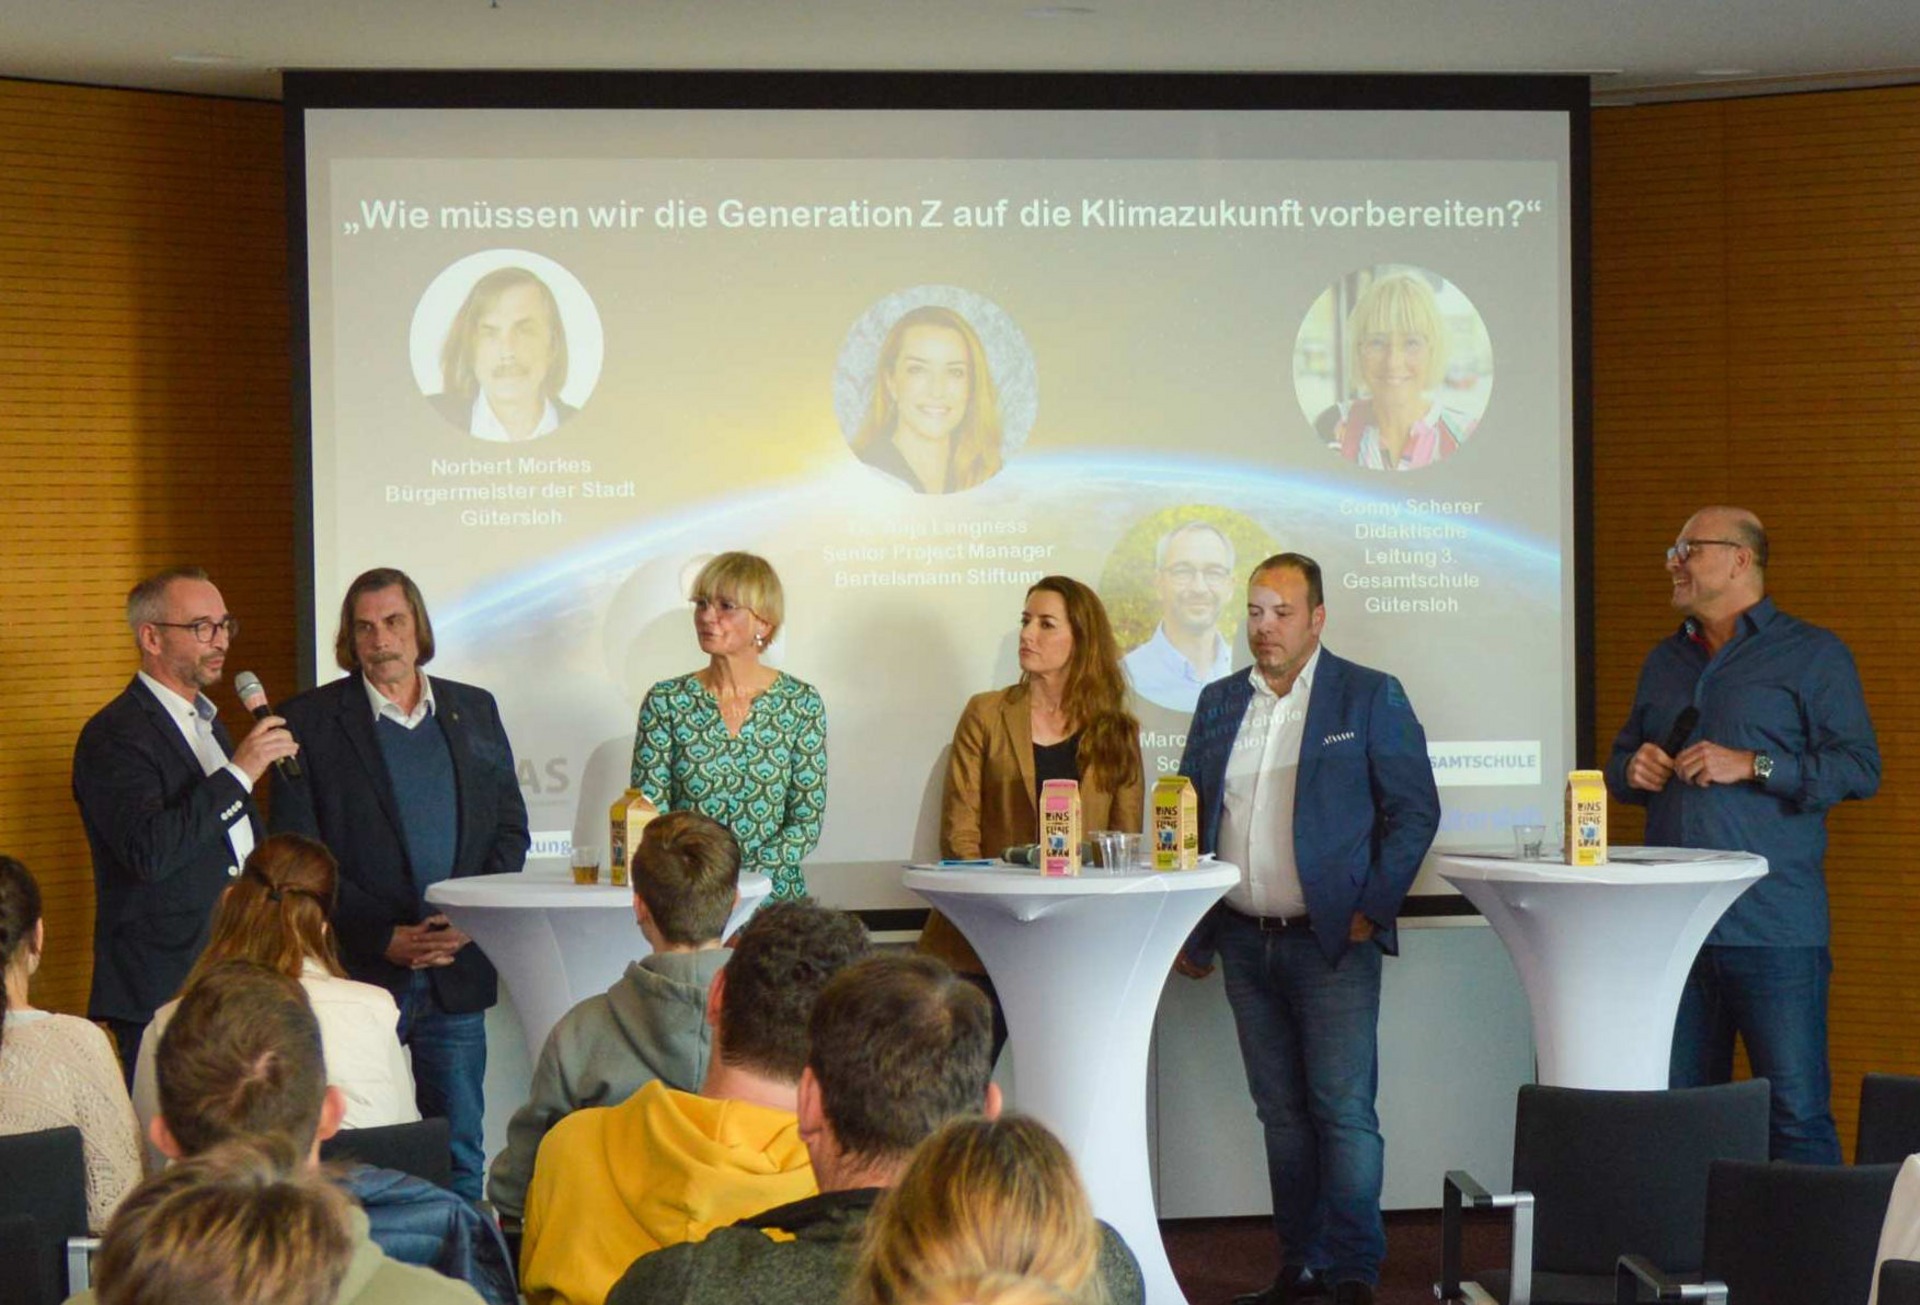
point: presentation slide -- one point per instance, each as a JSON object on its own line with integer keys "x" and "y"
{"x": 919, "y": 359}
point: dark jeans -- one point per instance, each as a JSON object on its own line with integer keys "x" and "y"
{"x": 449, "y": 1074}
{"x": 1309, "y": 1035}
{"x": 1775, "y": 999}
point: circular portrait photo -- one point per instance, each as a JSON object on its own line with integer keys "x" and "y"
{"x": 936, "y": 389}
{"x": 1393, "y": 367}
{"x": 1173, "y": 588}
{"x": 506, "y": 345}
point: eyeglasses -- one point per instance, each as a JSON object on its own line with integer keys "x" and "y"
{"x": 724, "y": 606}
{"x": 1186, "y": 573}
{"x": 1683, "y": 548}
{"x": 203, "y": 629}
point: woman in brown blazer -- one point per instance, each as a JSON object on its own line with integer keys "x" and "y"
{"x": 1065, "y": 719}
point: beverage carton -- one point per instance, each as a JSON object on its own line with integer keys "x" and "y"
{"x": 1586, "y": 818}
{"x": 1176, "y": 824}
{"x": 1060, "y": 827}
{"x": 628, "y": 818}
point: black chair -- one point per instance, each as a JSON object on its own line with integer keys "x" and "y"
{"x": 1780, "y": 1234}
{"x": 1899, "y": 1283}
{"x": 1889, "y": 1119}
{"x": 1599, "y": 1174}
{"x": 43, "y": 1178}
{"x": 423, "y": 1149}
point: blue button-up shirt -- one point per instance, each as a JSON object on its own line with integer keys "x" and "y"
{"x": 1782, "y": 687}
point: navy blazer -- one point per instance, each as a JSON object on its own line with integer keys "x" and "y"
{"x": 344, "y": 797}
{"x": 1365, "y": 808}
{"x": 157, "y": 824}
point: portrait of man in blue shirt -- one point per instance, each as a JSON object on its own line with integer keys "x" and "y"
{"x": 1781, "y": 735}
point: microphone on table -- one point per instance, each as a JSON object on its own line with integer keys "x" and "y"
{"x": 1682, "y": 727}
{"x": 1027, "y": 854}
{"x": 253, "y": 696}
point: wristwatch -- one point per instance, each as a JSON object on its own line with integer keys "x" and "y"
{"x": 1762, "y": 767}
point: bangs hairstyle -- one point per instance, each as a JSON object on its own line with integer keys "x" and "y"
{"x": 687, "y": 871}
{"x": 782, "y": 960}
{"x": 976, "y": 454}
{"x": 241, "y": 1058}
{"x": 981, "y": 1197}
{"x": 1399, "y": 304}
{"x": 456, "y": 353}
{"x": 368, "y": 582}
{"x": 275, "y": 914}
{"x": 238, "y": 1225}
{"x": 748, "y": 581}
{"x": 1096, "y": 695}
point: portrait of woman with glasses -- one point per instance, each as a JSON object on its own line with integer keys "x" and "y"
{"x": 738, "y": 740}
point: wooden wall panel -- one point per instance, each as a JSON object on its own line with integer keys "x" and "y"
{"x": 1756, "y": 306}
{"x": 144, "y": 411}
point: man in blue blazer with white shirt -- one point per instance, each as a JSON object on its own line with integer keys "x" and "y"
{"x": 1313, "y": 778}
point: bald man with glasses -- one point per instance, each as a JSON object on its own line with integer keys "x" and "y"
{"x": 167, "y": 802}
{"x": 1779, "y": 734}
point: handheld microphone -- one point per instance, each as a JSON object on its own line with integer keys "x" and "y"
{"x": 1026, "y": 854}
{"x": 1676, "y": 737}
{"x": 253, "y": 696}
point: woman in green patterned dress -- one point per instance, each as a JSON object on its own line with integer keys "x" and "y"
{"x": 740, "y": 742}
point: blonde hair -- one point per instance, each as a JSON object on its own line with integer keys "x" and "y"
{"x": 748, "y": 580}
{"x": 981, "y": 1197}
{"x": 989, "y": 1289}
{"x": 976, "y": 454}
{"x": 1399, "y": 303}
{"x": 275, "y": 914}
{"x": 237, "y": 1225}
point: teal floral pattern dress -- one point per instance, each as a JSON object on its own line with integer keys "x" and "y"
{"x": 768, "y": 784}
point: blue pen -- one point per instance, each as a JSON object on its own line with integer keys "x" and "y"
{"x": 961, "y": 861}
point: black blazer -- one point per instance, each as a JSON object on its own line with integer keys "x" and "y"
{"x": 158, "y": 829}
{"x": 344, "y": 797}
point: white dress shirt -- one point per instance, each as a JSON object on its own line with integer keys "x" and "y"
{"x": 195, "y": 720}
{"x": 485, "y": 425}
{"x": 1256, "y": 822}
{"x": 384, "y": 706}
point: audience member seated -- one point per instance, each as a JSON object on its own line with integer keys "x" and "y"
{"x": 652, "y": 1023}
{"x": 275, "y": 915}
{"x": 666, "y": 1166}
{"x": 898, "y": 1045}
{"x": 237, "y": 1225}
{"x": 241, "y": 1060}
{"x": 58, "y": 1070}
{"x": 990, "y": 1196}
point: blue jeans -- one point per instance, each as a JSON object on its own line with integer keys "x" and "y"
{"x": 449, "y": 1075}
{"x": 1309, "y": 1034}
{"x": 1775, "y": 998}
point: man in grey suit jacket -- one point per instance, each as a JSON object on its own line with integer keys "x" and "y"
{"x": 1313, "y": 778}
{"x": 167, "y": 802}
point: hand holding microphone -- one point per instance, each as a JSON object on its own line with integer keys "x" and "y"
{"x": 1651, "y": 767}
{"x": 268, "y": 741}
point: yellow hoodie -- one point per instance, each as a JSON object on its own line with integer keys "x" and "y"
{"x": 664, "y": 1166}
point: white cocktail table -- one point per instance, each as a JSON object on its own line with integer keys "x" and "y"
{"x": 1603, "y": 951}
{"x": 556, "y": 942}
{"x": 1079, "y": 964}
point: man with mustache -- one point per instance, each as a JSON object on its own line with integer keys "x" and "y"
{"x": 409, "y": 781}
{"x": 166, "y": 799}
{"x": 504, "y": 361}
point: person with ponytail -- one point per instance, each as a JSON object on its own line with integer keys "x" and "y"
{"x": 58, "y": 1071}
{"x": 1065, "y": 719}
{"x": 275, "y": 916}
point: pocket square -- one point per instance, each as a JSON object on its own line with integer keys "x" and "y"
{"x": 1341, "y": 737}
